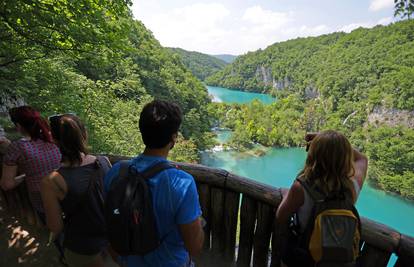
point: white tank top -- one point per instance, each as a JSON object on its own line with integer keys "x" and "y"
{"x": 305, "y": 210}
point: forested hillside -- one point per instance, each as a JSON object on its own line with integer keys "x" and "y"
{"x": 333, "y": 65}
{"x": 226, "y": 57}
{"x": 201, "y": 65}
{"x": 359, "y": 83}
{"x": 94, "y": 59}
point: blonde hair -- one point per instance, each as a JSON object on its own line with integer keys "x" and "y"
{"x": 329, "y": 164}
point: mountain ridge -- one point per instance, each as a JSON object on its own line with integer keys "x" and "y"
{"x": 200, "y": 64}
{"x": 226, "y": 57}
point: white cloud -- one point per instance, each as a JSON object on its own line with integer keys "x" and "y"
{"x": 213, "y": 28}
{"x": 192, "y": 27}
{"x": 380, "y": 4}
{"x": 350, "y": 27}
{"x": 304, "y": 30}
{"x": 369, "y": 24}
{"x": 270, "y": 19}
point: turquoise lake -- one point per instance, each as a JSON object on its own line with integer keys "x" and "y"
{"x": 278, "y": 167}
{"x": 225, "y": 95}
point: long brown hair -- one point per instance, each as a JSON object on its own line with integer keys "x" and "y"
{"x": 71, "y": 138}
{"x": 329, "y": 164}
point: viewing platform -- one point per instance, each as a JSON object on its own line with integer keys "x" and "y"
{"x": 241, "y": 228}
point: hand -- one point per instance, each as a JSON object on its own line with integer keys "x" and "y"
{"x": 309, "y": 136}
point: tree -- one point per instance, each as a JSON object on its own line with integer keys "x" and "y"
{"x": 92, "y": 58}
{"x": 404, "y": 8}
{"x": 37, "y": 28}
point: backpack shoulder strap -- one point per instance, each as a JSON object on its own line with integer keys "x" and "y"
{"x": 315, "y": 195}
{"x": 103, "y": 163}
{"x": 157, "y": 168}
{"x": 124, "y": 168}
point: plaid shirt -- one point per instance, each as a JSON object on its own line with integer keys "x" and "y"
{"x": 36, "y": 159}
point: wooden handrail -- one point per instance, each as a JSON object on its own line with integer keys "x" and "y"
{"x": 224, "y": 179}
{"x": 231, "y": 202}
{"x": 375, "y": 235}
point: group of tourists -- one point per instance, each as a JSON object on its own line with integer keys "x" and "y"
{"x": 146, "y": 212}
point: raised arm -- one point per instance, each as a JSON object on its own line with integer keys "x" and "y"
{"x": 360, "y": 166}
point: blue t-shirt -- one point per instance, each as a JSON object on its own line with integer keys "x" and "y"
{"x": 175, "y": 200}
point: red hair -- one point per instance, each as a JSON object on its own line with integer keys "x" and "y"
{"x": 31, "y": 121}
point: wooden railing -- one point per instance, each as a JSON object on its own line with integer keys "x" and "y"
{"x": 241, "y": 230}
{"x": 259, "y": 236}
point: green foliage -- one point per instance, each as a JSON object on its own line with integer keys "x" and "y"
{"x": 354, "y": 66}
{"x": 278, "y": 124}
{"x": 33, "y": 29}
{"x": 404, "y": 8}
{"x": 226, "y": 57}
{"x": 105, "y": 68}
{"x": 201, "y": 65}
{"x": 185, "y": 151}
{"x": 392, "y": 158}
{"x": 334, "y": 81}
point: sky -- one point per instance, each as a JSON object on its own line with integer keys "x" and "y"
{"x": 238, "y": 26}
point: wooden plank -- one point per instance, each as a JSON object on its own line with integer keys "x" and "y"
{"x": 405, "y": 252}
{"x": 3, "y": 200}
{"x": 202, "y": 174}
{"x": 253, "y": 189}
{"x": 222, "y": 178}
{"x": 204, "y": 195}
{"x": 373, "y": 233}
{"x": 217, "y": 212}
{"x": 265, "y": 218}
{"x": 403, "y": 262}
{"x": 12, "y": 202}
{"x": 278, "y": 239}
{"x": 380, "y": 235}
{"x": 247, "y": 226}
{"x": 373, "y": 257}
{"x": 231, "y": 214}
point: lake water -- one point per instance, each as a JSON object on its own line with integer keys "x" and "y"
{"x": 220, "y": 94}
{"x": 278, "y": 167}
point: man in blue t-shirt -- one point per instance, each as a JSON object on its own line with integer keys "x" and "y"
{"x": 174, "y": 193}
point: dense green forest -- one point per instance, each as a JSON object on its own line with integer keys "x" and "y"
{"x": 226, "y": 57}
{"x": 201, "y": 65}
{"x": 359, "y": 83}
{"x": 92, "y": 58}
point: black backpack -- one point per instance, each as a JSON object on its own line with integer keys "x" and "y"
{"x": 130, "y": 219}
{"x": 332, "y": 234}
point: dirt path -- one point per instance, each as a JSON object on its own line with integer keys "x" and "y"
{"x": 24, "y": 245}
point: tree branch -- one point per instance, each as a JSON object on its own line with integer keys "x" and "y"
{"x": 16, "y": 60}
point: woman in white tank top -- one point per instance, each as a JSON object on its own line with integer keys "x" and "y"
{"x": 332, "y": 164}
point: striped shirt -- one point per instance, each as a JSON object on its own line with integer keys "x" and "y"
{"x": 36, "y": 159}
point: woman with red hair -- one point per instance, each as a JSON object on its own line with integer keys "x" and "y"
{"x": 34, "y": 155}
